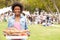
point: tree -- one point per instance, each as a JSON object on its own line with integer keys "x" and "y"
{"x": 48, "y": 5}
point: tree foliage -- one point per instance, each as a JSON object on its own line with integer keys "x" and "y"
{"x": 48, "y": 5}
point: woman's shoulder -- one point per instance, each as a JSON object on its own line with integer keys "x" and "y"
{"x": 10, "y": 18}
{"x": 23, "y": 18}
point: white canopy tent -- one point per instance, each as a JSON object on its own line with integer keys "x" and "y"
{"x": 5, "y": 9}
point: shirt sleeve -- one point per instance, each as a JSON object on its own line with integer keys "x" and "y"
{"x": 26, "y": 26}
{"x": 9, "y": 22}
{"x": 9, "y": 25}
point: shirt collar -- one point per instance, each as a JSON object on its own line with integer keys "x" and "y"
{"x": 14, "y": 16}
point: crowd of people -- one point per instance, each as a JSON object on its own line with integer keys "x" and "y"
{"x": 5, "y": 16}
{"x": 44, "y": 18}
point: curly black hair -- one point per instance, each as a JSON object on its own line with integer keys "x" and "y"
{"x": 17, "y": 4}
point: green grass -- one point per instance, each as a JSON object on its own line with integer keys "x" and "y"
{"x": 3, "y": 25}
{"x": 38, "y": 32}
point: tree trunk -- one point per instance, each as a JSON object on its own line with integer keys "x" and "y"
{"x": 55, "y": 5}
{"x": 46, "y": 6}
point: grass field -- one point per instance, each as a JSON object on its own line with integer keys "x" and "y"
{"x": 38, "y": 32}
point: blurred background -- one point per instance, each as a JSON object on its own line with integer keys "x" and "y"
{"x": 43, "y": 18}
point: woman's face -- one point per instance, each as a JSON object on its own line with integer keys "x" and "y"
{"x": 17, "y": 10}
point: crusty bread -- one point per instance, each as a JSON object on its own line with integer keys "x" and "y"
{"x": 15, "y": 32}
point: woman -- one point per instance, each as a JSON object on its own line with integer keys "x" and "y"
{"x": 17, "y": 21}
